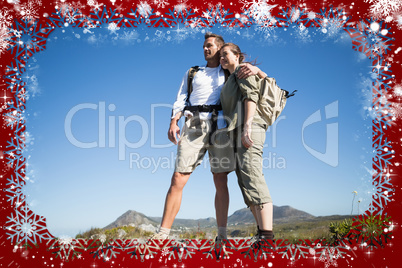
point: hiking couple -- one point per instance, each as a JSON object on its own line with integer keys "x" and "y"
{"x": 220, "y": 103}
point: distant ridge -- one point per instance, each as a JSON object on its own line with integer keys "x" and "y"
{"x": 206, "y": 222}
{"x": 282, "y": 214}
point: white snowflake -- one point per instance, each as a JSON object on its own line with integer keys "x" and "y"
{"x": 295, "y": 15}
{"x": 262, "y": 12}
{"x": 71, "y": 16}
{"x": 383, "y": 8}
{"x": 267, "y": 33}
{"x": 398, "y": 90}
{"x": 26, "y": 227}
{"x": 311, "y": 15}
{"x": 332, "y": 26}
{"x": 77, "y": 5}
{"x": 112, "y": 27}
{"x": 29, "y": 10}
{"x": 4, "y": 39}
{"x": 66, "y": 248}
{"x": 383, "y": 100}
{"x": 31, "y": 84}
{"x": 181, "y": 6}
{"x": 5, "y": 18}
{"x": 17, "y": 33}
{"x": 396, "y": 110}
{"x": 165, "y": 252}
{"x": 254, "y": 4}
{"x": 160, "y": 3}
{"x": 129, "y": 36}
{"x": 144, "y": 9}
{"x": 65, "y": 240}
{"x": 399, "y": 21}
{"x": 303, "y": 34}
{"x": 94, "y": 4}
{"x": 329, "y": 257}
{"x": 119, "y": 8}
{"x": 64, "y": 9}
{"x": 14, "y": 190}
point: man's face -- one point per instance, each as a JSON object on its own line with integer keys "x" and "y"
{"x": 211, "y": 49}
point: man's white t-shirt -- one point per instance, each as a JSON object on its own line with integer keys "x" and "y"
{"x": 207, "y": 86}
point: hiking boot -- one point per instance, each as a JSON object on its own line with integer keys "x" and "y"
{"x": 265, "y": 235}
{"x": 220, "y": 240}
{"x": 158, "y": 236}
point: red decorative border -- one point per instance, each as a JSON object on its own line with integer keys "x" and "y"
{"x": 43, "y": 251}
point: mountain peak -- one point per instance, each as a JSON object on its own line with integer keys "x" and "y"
{"x": 281, "y": 214}
{"x": 131, "y": 217}
{"x": 288, "y": 211}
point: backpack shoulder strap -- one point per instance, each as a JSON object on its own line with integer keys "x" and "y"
{"x": 191, "y": 73}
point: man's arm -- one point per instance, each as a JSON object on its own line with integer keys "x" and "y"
{"x": 174, "y": 128}
{"x": 181, "y": 97}
{"x": 248, "y": 70}
{"x": 177, "y": 111}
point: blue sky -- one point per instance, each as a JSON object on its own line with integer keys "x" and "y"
{"x": 122, "y": 84}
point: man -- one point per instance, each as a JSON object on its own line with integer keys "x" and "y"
{"x": 199, "y": 135}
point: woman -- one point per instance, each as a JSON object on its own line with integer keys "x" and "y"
{"x": 239, "y": 99}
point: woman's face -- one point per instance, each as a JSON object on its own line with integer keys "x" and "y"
{"x": 228, "y": 59}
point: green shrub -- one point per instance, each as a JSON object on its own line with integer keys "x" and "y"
{"x": 339, "y": 230}
{"x": 124, "y": 232}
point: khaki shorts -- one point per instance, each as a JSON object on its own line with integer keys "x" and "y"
{"x": 194, "y": 143}
{"x": 249, "y": 168}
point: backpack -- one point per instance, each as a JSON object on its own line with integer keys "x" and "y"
{"x": 272, "y": 100}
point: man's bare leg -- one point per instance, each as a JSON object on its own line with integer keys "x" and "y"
{"x": 173, "y": 198}
{"x": 221, "y": 202}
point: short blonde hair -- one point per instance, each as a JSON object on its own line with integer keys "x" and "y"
{"x": 218, "y": 39}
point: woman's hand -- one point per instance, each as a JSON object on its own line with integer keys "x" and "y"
{"x": 246, "y": 136}
{"x": 247, "y": 70}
